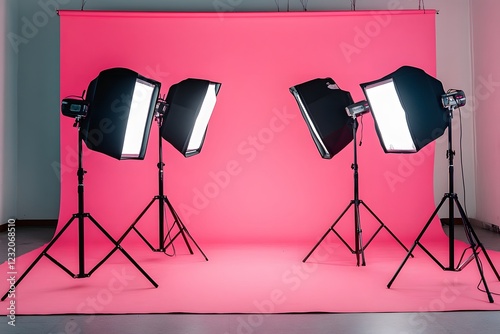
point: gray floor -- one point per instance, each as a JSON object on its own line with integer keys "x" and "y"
{"x": 28, "y": 238}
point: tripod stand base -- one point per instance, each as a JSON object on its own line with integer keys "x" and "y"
{"x": 359, "y": 248}
{"x": 182, "y": 230}
{"x": 79, "y": 217}
{"x": 472, "y": 237}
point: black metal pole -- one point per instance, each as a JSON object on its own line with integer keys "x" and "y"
{"x": 81, "y": 208}
{"x": 161, "y": 204}
{"x": 451, "y": 213}
{"x": 359, "y": 249}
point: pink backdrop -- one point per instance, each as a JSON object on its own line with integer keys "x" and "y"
{"x": 259, "y": 177}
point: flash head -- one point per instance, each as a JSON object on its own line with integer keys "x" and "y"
{"x": 161, "y": 107}
{"x": 74, "y": 108}
{"x": 454, "y": 99}
{"x": 357, "y": 109}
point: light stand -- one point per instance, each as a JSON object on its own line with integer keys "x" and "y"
{"x": 80, "y": 217}
{"x": 162, "y": 200}
{"x": 474, "y": 241}
{"x": 359, "y": 247}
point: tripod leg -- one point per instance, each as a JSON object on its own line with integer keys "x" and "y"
{"x": 476, "y": 238}
{"x": 382, "y": 225}
{"x": 330, "y": 229}
{"x": 317, "y": 244}
{"x": 117, "y": 247}
{"x": 44, "y": 252}
{"x": 471, "y": 234}
{"x": 489, "y": 260}
{"x": 132, "y": 226}
{"x": 180, "y": 225}
{"x": 417, "y": 241}
{"x": 402, "y": 264}
{"x": 358, "y": 236}
{"x": 183, "y": 231}
{"x": 481, "y": 273}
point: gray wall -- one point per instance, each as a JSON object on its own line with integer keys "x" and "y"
{"x": 38, "y": 110}
{"x": 38, "y": 84}
{"x": 8, "y": 113}
{"x": 486, "y": 57}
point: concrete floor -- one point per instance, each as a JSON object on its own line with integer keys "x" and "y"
{"x": 28, "y": 238}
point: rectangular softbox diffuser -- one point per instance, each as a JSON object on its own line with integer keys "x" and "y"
{"x": 121, "y": 108}
{"x": 322, "y": 104}
{"x": 407, "y": 109}
{"x": 190, "y": 104}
